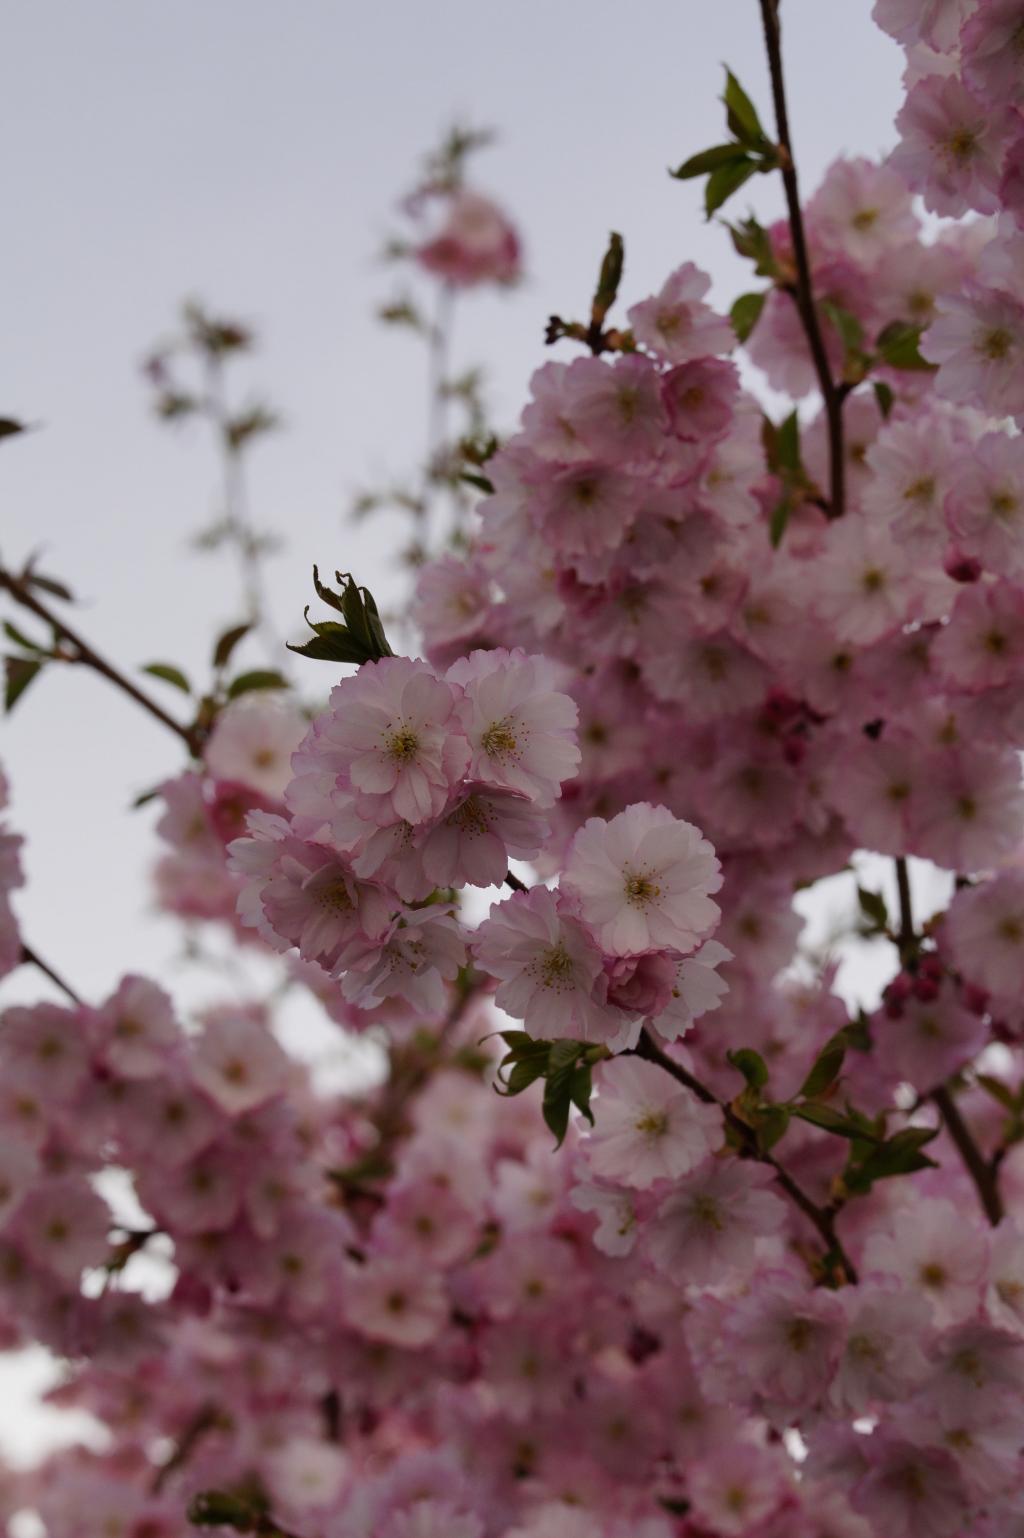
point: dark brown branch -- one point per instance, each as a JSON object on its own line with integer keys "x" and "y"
{"x": 906, "y": 938}
{"x": 802, "y": 292}
{"x": 22, "y": 594}
{"x": 823, "y": 1218}
{"x": 30, "y": 957}
{"x": 982, "y": 1172}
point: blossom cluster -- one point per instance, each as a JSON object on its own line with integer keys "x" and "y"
{"x": 677, "y": 670}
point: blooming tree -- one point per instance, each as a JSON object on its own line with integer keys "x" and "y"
{"x": 644, "y": 1231}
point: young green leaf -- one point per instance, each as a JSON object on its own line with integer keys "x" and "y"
{"x": 709, "y": 160}
{"x": 259, "y": 678}
{"x": 19, "y": 673}
{"x": 897, "y": 345}
{"x": 227, "y": 642}
{"x": 872, "y": 905}
{"x": 745, "y": 314}
{"x": 741, "y": 114}
{"x": 724, "y": 181}
{"x": 751, "y": 1065}
{"x": 170, "y": 675}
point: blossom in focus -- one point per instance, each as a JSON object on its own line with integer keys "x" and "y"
{"x": 643, "y": 881}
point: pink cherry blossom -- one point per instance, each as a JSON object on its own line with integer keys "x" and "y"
{"x": 676, "y": 324}
{"x": 648, "y": 1128}
{"x": 520, "y": 727}
{"x": 392, "y": 730}
{"x": 642, "y": 881}
{"x": 549, "y": 970}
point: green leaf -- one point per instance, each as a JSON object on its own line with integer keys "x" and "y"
{"x": 726, "y": 180}
{"x": 479, "y": 481}
{"x": 227, "y": 642}
{"x": 608, "y": 279}
{"x": 259, "y": 678}
{"x": 49, "y": 585}
{"x": 709, "y": 160}
{"x": 826, "y": 1117}
{"x": 884, "y": 397}
{"x": 359, "y": 639}
{"x": 772, "y": 1125}
{"x": 897, "y": 345}
{"x": 523, "y": 1074}
{"x": 900, "y": 1155}
{"x": 826, "y": 1068}
{"x": 752, "y": 241}
{"x": 872, "y": 905}
{"x": 741, "y": 113}
{"x": 779, "y": 520}
{"x": 19, "y": 673}
{"x": 788, "y": 444}
{"x": 751, "y": 1065}
{"x": 559, "y": 1087}
{"x": 745, "y": 314}
{"x": 20, "y": 639}
{"x": 331, "y": 643}
{"x": 170, "y": 675}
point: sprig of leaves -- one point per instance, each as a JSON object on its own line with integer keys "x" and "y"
{"x": 359, "y": 635}
{"x": 728, "y": 166}
{"x": 565, "y": 1067}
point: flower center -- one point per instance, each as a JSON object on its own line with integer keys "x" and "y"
{"x": 640, "y": 889}
{"x": 402, "y": 745}
{"x": 922, "y": 490}
{"x": 865, "y": 218}
{"x": 705, "y": 1210}
{"x": 333, "y": 897}
{"x": 499, "y": 740}
{"x": 556, "y": 966}
{"x": 653, "y": 1124}
{"x": 995, "y": 344}
{"x": 961, "y": 143}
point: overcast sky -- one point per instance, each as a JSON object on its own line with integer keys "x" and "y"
{"x": 249, "y": 153}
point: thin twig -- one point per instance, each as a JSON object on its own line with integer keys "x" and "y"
{"x": 32, "y": 958}
{"x": 802, "y": 292}
{"x": 89, "y": 657}
{"x": 978, "y": 1167}
{"x": 906, "y": 939}
{"x": 984, "y": 1172}
{"x": 823, "y": 1218}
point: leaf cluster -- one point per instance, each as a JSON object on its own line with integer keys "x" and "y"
{"x": 564, "y": 1066}
{"x": 357, "y": 637}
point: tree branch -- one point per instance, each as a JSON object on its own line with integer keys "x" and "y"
{"x": 803, "y": 292}
{"x": 982, "y": 1172}
{"x": 22, "y": 594}
{"x": 30, "y": 957}
{"x": 823, "y": 1218}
